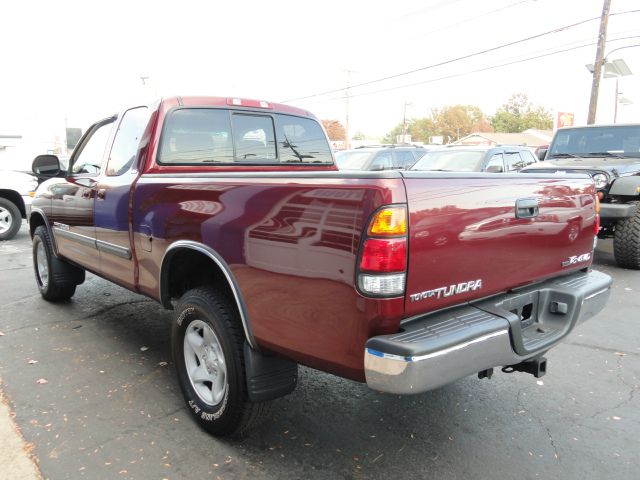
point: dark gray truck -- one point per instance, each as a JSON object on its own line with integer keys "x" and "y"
{"x": 611, "y": 155}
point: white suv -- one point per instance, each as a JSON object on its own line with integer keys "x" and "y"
{"x": 16, "y": 191}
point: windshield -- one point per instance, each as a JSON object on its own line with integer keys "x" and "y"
{"x": 613, "y": 140}
{"x": 352, "y": 160}
{"x": 451, "y": 160}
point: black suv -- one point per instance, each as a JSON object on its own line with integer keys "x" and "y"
{"x": 611, "y": 155}
{"x": 379, "y": 157}
{"x": 477, "y": 158}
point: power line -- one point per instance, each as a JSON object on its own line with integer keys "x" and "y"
{"x": 430, "y": 8}
{"x": 457, "y": 59}
{"x": 478, "y": 70}
{"x": 467, "y": 20}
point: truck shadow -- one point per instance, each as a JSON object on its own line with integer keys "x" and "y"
{"x": 327, "y": 428}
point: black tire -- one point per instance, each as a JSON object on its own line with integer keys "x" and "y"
{"x": 58, "y": 282}
{"x": 231, "y": 413}
{"x": 10, "y": 219}
{"x": 626, "y": 241}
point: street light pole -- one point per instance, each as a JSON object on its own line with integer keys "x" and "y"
{"x": 597, "y": 66}
{"x": 404, "y": 121}
{"x": 615, "y": 110}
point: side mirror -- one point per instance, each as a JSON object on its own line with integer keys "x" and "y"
{"x": 542, "y": 153}
{"x": 46, "y": 166}
{"x": 494, "y": 169}
{"x": 377, "y": 168}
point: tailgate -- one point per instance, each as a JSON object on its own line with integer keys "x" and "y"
{"x": 466, "y": 242}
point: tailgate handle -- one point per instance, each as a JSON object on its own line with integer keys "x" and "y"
{"x": 527, "y": 208}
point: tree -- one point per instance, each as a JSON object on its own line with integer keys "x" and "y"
{"x": 451, "y": 122}
{"x": 335, "y": 130}
{"x": 519, "y": 114}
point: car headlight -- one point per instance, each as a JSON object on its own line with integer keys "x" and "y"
{"x": 601, "y": 180}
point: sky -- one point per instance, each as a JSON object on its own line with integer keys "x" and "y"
{"x": 73, "y": 62}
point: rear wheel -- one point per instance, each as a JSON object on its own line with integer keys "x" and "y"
{"x": 56, "y": 279}
{"x": 207, "y": 345}
{"x": 626, "y": 241}
{"x": 10, "y": 219}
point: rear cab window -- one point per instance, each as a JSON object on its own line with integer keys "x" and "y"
{"x": 196, "y": 136}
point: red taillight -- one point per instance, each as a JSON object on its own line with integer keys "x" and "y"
{"x": 384, "y": 256}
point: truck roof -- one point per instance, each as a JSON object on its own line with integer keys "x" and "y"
{"x": 238, "y": 102}
{"x": 600, "y": 125}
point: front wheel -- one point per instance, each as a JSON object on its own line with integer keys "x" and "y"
{"x": 207, "y": 345}
{"x": 626, "y": 241}
{"x": 56, "y": 279}
{"x": 10, "y": 219}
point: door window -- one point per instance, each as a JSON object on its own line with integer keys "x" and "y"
{"x": 527, "y": 158}
{"x": 125, "y": 145}
{"x": 403, "y": 159}
{"x": 89, "y": 160}
{"x": 383, "y": 161}
{"x": 514, "y": 162}
{"x": 496, "y": 160}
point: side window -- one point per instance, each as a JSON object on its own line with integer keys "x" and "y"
{"x": 514, "y": 162}
{"x": 196, "y": 135}
{"x": 89, "y": 160}
{"x": 403, "y": 159}
{"x": 496, "y": 161}
{"x": 301, "y": 140}
{"x": 418, "y": 153}
{"x": 383, "y": 161}
{"x": 527, "y": 158}
{"x": 254, "y": 138}
{"x": 125, "y": 144}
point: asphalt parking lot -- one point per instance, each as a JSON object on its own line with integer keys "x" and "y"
{"x": 93, "y": 388}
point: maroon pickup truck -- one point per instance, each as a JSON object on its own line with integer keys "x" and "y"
{"x": 232, "y": 213}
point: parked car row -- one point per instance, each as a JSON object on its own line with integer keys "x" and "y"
{"x": 379, "y": 157}
{"x": 453, "y": 158}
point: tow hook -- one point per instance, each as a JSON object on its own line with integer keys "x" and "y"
{"x": 536, "y": 367}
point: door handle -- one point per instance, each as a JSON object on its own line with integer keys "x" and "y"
{"x": 527, "y": 208}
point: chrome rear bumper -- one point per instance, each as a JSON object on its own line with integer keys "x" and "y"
{"x": 440, "y": 348}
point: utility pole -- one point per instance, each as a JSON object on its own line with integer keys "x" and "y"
{"x": 347, "y": 143}
{"x": 597, "y": 66}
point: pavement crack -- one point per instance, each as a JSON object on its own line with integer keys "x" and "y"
{"x": 602, "y": 349}
{"x": 632, "y": 392}
{"x": 5, "y": 305}
{"x": 520, "y": 407}
{"x": 97, "y": 313}
{"x": 15, "y": 268}
{"x": 553, "y": 444}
